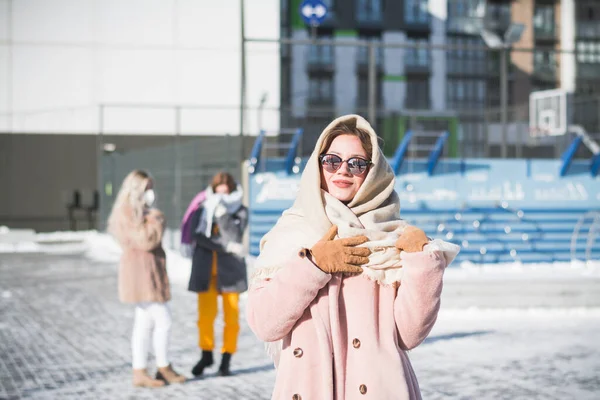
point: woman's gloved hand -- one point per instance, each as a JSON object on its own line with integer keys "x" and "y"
{"x": 220, "y": 210}
{"x": 235, "y": 248}
{"x": 412, "y": 240}
{"x": 339, "y": 255}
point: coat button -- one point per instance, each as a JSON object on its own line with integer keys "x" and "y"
{"x": 363, "y": 389}
{"x": 356, "y": 343}
{"x": 298, "y": 352}
{"x": 296, "y": 397}
{"x": 302, "y": 253}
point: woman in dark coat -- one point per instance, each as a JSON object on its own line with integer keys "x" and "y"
{"x": 218, "y": 267}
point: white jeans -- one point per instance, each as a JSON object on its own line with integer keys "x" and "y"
{"x": 147, "y": 316}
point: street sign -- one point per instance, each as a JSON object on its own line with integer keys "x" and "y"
{"x": 313, "y": 12}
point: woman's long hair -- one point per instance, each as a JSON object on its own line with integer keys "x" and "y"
{"x": 130, "y": 199}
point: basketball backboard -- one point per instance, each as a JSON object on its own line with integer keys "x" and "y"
{"x": 548, "y": 113}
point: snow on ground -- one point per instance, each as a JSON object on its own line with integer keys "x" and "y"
{"x": 101, "y": 247}
{"x": 511, "y": 354}
{"x": 490, "y": 347}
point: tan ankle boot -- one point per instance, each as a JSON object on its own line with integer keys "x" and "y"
{"x": 168, "y": 375}
{"x": 142, "y": 379}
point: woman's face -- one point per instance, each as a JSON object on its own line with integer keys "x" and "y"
{"x": 342, "y": 184}
{"x": 222, "y": 188}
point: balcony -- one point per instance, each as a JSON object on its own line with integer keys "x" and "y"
{"x": 369, "y": 18}
{"x": 588, "y": 29}
{"x": 362, "y": 58}
{"x": 545, "y": 71}
{"x": 545, "y": 32}
{"x": 422, "y": 24}
{"x": 498, "y": 17}
{"x": 464, "y": 25}
{"x": 588, "y": 70}
{"x": 416, "y": 16}
{"x": 320, "y": 59}
{"x": 417, "y": 60}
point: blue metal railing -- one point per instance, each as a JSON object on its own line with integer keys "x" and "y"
{"x": 436, "y": 153}
{"x": 569, "y": 154}
{"x": 400, "y": 153}
{"x": 255, "y": 153}
{"x": 595, "y": 165}
{"x": 290, "y": 160}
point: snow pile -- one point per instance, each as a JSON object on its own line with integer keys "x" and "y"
{"x": 519, "y": 271}
{"x": 102, "y": 248}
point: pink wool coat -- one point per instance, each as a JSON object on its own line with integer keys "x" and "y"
{"x": 362, "y": 353}
{"x": 142, "y": 270}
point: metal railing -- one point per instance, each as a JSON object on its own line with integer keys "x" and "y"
{"x": 592, "y": 232}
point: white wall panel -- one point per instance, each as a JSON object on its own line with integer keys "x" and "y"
{"x": 53, "y": 21}
{"x": 71, "y": 56}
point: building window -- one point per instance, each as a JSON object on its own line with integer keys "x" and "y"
{"x": 463, "y": 61}
{"x": 498, "y": 13}
{"x": 362, "y": 99}
{"x": 544, "y": 20}
{"x": 463, "y": 93}
{"x": 320, "y": 90}
{"x": 330, "y": 4}
{"x": 368, "y": 10}
{"x": 321, "y": 54}
{"x": 362, "y": 52}
{"x": 416, "y": 11}
{"x": 545, "y": 66}
{"x": 588, "y": 86}
{"x": 588, "y": 18}
{"x": 588, "y": 52}
{"x": 460, "y": 14}
{"x": 417, "y": 56}
{"x": 588, "y": 59}
{"x": 543, "y": 58}
{"x": 417, "y": 93}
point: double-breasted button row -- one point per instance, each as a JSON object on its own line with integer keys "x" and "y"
{"x": 298, "y": 352}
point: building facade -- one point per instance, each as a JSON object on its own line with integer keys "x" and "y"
{"x": 431, "y": 88}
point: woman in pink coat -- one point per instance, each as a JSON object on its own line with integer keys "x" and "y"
{"x": 342, "y": 287}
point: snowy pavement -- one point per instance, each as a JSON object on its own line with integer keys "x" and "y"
{"x": 64, "y": 335}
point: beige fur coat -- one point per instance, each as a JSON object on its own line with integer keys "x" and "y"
{"x": 142, "y": 270}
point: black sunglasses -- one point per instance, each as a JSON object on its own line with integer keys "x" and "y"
{"x": 356, "y": 165}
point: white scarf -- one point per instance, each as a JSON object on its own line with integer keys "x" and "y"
{"x": 374, "y": 211}
{"x": 232, "y": 202}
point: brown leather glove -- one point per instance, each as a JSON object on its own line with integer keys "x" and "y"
{"x": 340, "y": 255}
{"x": 412, "y": 240}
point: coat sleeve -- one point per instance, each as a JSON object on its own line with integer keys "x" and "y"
{"x": 276, "y": 304}
{"x": 148, "y": 236}
{"x": 418, "y": 299}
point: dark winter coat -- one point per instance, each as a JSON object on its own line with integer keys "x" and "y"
{"x": 231, "y": 268}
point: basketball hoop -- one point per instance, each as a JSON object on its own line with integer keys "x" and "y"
{"x": 548, "y": 114}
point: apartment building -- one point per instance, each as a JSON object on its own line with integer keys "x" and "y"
{"x": 319, "y": 82}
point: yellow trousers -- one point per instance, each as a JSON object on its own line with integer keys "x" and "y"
{"x": 207, "y": 313}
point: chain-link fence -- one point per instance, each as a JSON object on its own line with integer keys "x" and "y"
{"x": 180, "y": 170}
